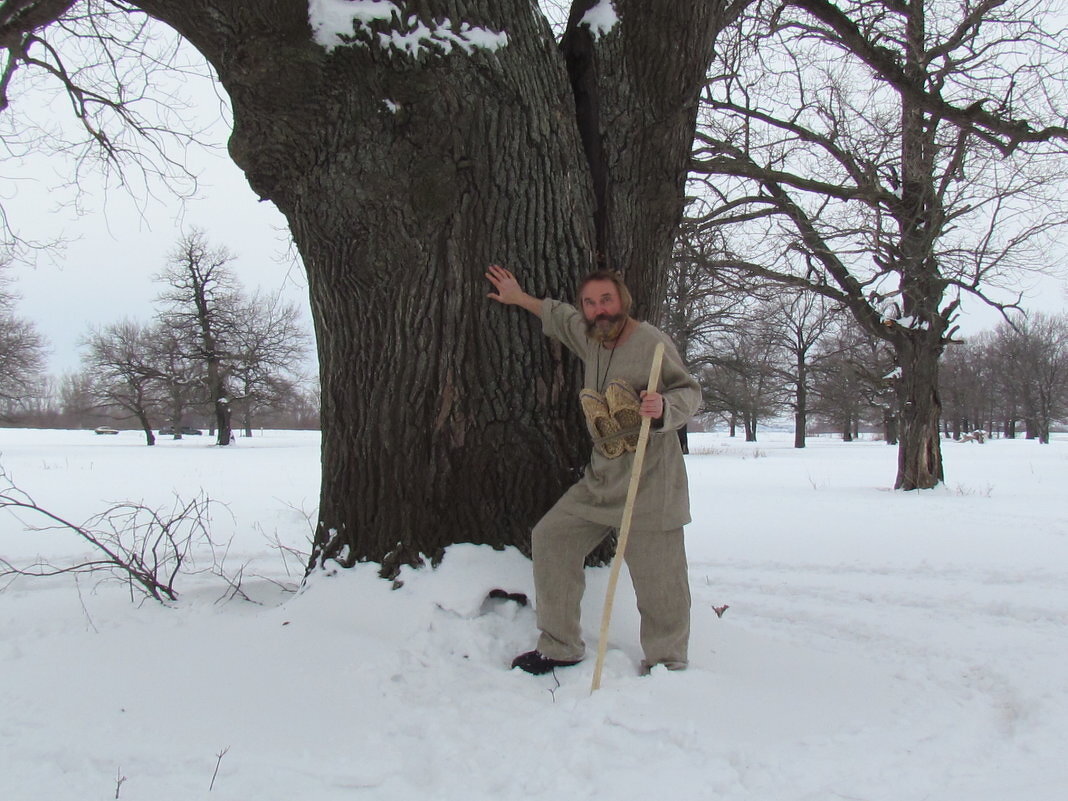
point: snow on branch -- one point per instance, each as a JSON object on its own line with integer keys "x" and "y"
{"x": 336, "y": 23}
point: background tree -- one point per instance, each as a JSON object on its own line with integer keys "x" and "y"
{"x": 180, "y": 375}
{"x": 1037, "y": 366}
{"x": 744, "y": 373}
{"x": 702, "y": 301}
{"x": 891, "y": 157}
{"x": 201, "y": 307}
{"x": 969, "y": 384}
{"x": 77, "y": 406}
{"x": 701, "y": 304}
{"x": 800, "y": 324}
{"x": 268, "y": 347}
{"x": 125, "y": 378}
{"x": 22, "y": 353}
{"x": 852, "y": 378}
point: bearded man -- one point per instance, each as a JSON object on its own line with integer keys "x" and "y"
{"x": 617, "y": 351}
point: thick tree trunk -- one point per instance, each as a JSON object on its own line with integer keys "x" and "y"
{"x": 447, "y": 418}
{"x": 750, "y": 421}
{"x": 919, "y": 464}
{"x": 1043, "y": 430}
{"x": 919, "y": 346}
{"x": 647, "y": 95}
{"x": 219, "y": 395}
{"x": 146, "y": 426}
{"x": 890, "y": 427}
{"x": 800, "y": 422}
{"x": 801, "y": 400}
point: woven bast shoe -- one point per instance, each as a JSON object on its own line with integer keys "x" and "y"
{"x": 625, "y": 408}
{"x": 603, "y": 429}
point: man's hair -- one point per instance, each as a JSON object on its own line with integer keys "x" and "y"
{"x": 625, "y": 300}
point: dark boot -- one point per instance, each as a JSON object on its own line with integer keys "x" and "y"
{"x": 536, "y": 663}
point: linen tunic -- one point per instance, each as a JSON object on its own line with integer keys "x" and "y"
{"x": 663, "y": 500}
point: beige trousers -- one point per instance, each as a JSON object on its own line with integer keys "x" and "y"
{"x": 657, "y": 564}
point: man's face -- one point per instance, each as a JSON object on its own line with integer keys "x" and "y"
{"x": 602, "y": 309}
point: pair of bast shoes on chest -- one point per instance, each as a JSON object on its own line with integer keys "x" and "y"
{"x": 614, "y": 418}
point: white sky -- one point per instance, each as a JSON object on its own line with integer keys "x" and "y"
{"x": 106, "y": 272}
{"x": 122, "y": 238}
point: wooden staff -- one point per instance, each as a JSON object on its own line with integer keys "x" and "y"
{"x": 628, "y": 513}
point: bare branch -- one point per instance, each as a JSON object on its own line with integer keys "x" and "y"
{"x": 144, "y": 547}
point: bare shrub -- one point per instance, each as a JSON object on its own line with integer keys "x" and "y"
{"x": 131, "y": 542}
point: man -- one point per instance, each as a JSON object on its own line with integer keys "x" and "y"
{"x": 617, "y": 351}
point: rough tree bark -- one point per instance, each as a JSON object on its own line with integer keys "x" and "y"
{"x": 446, "y": 418}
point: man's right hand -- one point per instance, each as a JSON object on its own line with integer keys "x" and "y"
{"x": 508, "y": 290}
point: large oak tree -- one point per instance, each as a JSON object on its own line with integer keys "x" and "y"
{"x": 408, "y": 148}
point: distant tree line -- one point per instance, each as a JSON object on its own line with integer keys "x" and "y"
{"x": 214, "y": 353}
{"x": 762, "y": 351}
{"x": 213, "y": 356}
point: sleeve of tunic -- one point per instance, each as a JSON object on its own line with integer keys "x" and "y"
{"x": 563, "y": 322}
{"x": 682, "y": 394}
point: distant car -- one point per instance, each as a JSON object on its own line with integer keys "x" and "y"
{"x": 163, "y": 432}
{"x": 106, "y": 430}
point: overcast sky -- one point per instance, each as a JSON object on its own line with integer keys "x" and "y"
{"x": 105, "y": 272}
{"x": 119, "y": 238}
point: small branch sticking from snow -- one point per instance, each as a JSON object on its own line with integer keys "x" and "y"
{"x": 218, "y": 761}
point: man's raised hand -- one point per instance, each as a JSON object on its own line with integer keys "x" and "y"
{"x": 508, "y": 289}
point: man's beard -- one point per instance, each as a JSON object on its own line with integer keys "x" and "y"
{"x": 605, "y": 328}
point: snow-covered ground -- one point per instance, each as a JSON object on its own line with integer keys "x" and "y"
{"x": 878, "y": 645}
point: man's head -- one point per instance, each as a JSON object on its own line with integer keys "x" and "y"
{"x": 605, "y": 302}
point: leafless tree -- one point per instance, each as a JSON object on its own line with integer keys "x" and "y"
{"x": 22, "y": 353}
{"x": 743, "y": 375}
{"x": 77, "y": 406}
{"x": 801, "y": 325}
{"x": 894, "y": 158}
{"x": 971, "y": 386}
{"x": 853, "y": 377}
{"x": 703, "y": 300}
{"x": 181, "y": 376}
{"x": 201, "y": 307}
{"x": 1034, "y": 353}
{"x": 268, "y": 349}
{"x": 117, "y": 77}
{"x": 125, "y": 377}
